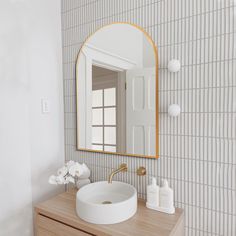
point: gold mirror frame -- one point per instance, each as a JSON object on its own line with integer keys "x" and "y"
{"x": 157, "y": 101}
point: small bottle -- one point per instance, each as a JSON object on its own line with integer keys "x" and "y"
{"x": 167, "y": 198}
{"x": 153, "y": 194}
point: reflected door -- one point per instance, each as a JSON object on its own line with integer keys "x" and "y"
{"x": 140, "y": 111}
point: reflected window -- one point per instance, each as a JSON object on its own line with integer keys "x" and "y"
{"x": 104, "y": 125}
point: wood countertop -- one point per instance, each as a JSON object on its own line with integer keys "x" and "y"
{"x": 145, "y": 222}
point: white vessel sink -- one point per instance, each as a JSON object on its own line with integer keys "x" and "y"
{"x": 104, "y": 203}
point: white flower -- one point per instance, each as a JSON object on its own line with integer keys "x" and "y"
{"x": 52, "y": 179}
{"x": 56, "y": 179}
{"x": 70, "y": 179}
{"x": 60, "y": 179}
{"x": 76, "y": 170}
{"x": 69, "y": 164}
{"x": 68, "y": 173}
{"x": 63, "y": 171}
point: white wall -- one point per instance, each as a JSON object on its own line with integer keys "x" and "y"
{"x": 31, "y": 144}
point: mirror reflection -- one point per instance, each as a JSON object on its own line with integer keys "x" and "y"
{"x": 116, "y": 92}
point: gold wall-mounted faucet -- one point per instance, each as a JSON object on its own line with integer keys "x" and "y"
{"x": 141, "y": 171}
{"x": 123, "y": 168}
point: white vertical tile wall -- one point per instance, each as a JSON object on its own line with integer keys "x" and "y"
{"x": 197, "y": 149}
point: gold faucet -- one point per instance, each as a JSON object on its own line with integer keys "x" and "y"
{"x": 123, "y": 167}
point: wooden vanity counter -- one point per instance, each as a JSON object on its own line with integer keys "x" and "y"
{"x": 57, "y": 217}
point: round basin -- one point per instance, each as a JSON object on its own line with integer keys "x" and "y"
{"x": 104, "y": 203}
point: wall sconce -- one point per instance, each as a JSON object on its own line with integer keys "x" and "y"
{"x": 174, "y": 65}
{"x": 174, "y": 110}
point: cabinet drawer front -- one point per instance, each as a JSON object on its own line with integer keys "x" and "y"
{"x": 44, "y": 232}
{"x": 49, "y": 227}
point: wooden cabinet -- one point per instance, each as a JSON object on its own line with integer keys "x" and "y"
{"x": 57, "y": 217}
{"x": 50, "y": 227}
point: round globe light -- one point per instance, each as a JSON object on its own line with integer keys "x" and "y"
{"x": 174, "y": 65}
{"x": 174, "y": 110}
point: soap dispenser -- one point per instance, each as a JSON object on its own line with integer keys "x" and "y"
{"x": 166, "y": 198}
{"x": 153, "y": 194}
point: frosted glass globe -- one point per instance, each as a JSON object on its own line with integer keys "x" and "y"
{"x": 174, "y": 110}
{"x": 174, "y": 65}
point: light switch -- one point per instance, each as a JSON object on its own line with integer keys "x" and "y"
{"x": 45, "y": 106}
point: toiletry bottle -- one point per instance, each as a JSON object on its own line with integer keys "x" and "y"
{"x": 167, "y": 198}
{"x": 153, "y": 193}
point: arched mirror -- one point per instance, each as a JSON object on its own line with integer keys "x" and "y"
{"x": 117, "y": 96}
